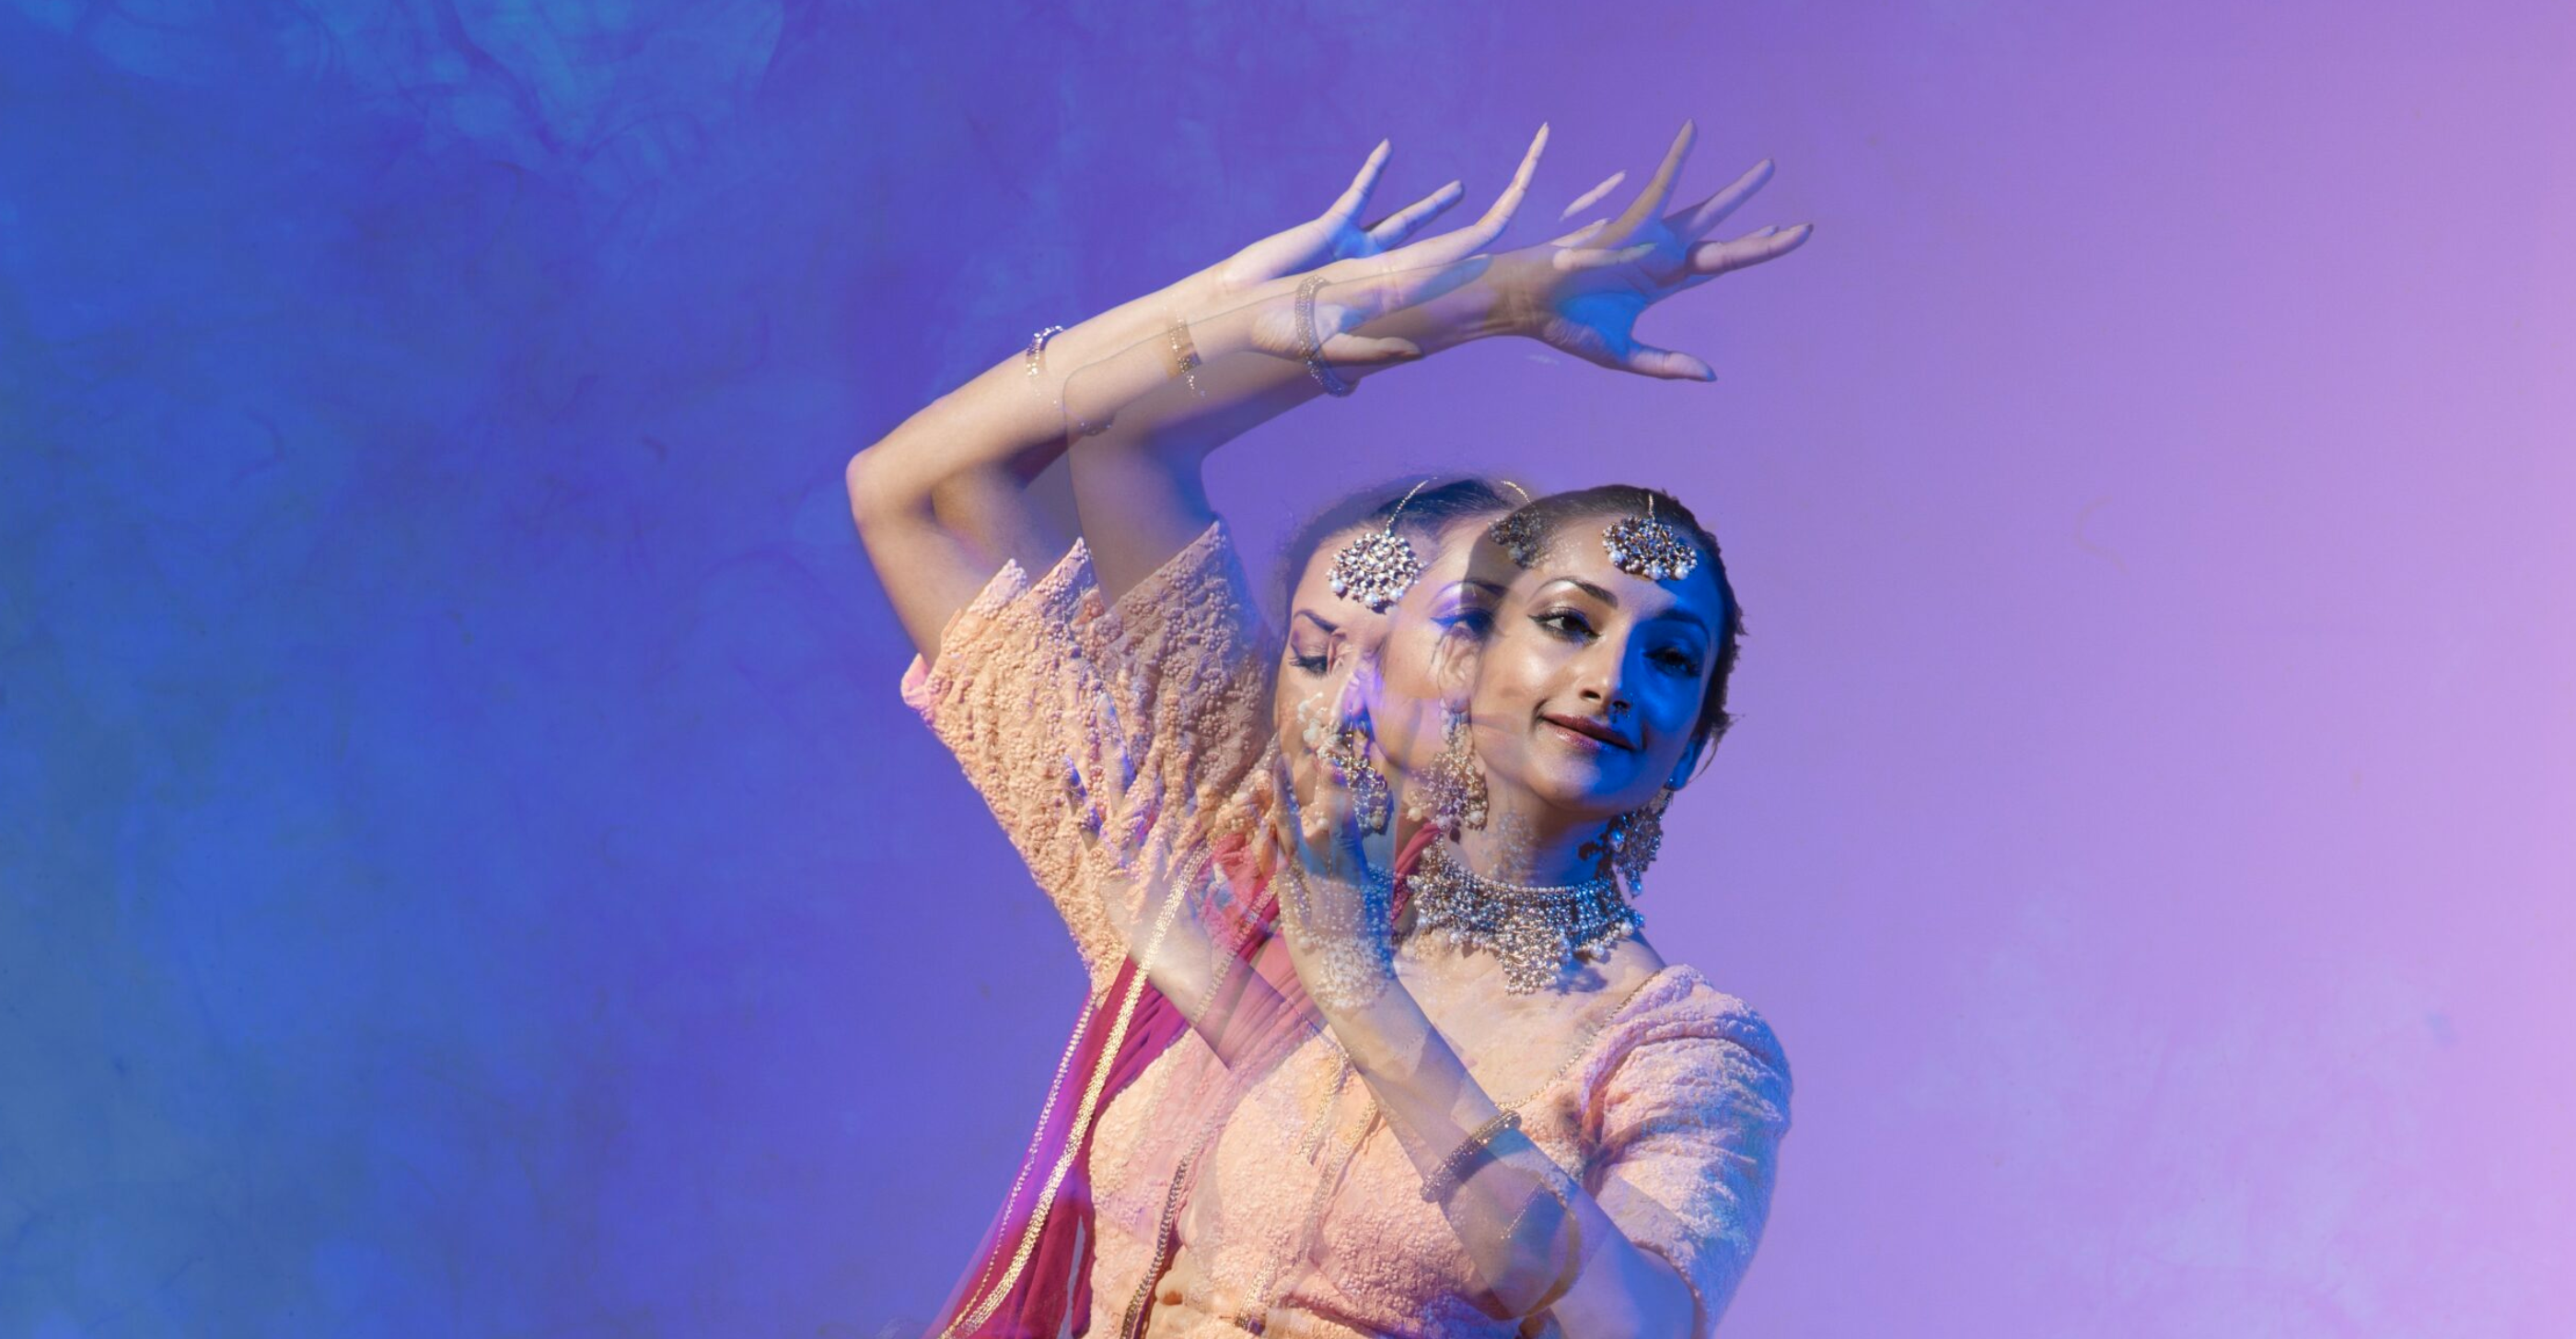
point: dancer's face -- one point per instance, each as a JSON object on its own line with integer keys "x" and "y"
{"x": 1586, "y": 692}
{"x": 1330, "y": 638}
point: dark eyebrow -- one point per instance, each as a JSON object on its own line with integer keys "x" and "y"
{"x": 1312, "y": 617}
{"x": 1464, "y": 584}
{"x": 1587, "y": 588}
{"x": 1675, "y": 614}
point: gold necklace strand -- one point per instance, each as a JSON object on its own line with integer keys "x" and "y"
{"x": 1532, "y": 929}
{"x": 1129, "y": 1327}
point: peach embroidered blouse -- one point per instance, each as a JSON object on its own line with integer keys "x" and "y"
{"x": 1069, "y": 716}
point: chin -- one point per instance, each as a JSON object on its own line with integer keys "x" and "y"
{"x": 1580, "y": 791}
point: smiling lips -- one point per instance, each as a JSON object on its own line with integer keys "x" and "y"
{"x": 1590, "y": 728}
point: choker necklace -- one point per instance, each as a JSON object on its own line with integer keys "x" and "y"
{"x": 1532, "y": 929}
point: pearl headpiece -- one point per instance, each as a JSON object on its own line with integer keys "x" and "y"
{"x": 1642, "y": 546}
{"x": 1377, "y": 568}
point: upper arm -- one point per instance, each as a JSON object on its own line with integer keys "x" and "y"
{"x": 936, "y": 546}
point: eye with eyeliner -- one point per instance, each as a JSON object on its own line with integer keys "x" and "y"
{"x": 1569, "y": 624}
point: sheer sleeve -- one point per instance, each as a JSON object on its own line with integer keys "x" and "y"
{"x": 1184, "y": 657}
{"x": 1690, "y": 1105}
{"x": 1011, "y": 697}
{"x": 1095, "y": 734}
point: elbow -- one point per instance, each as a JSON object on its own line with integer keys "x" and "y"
{"x": 879, "y": 494}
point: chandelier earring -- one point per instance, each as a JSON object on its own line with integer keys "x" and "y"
{"x": 1371, "y": 798}
{"x": 1343, "y": 747}
{"x": 1630, "y": 842}
{"x": 1451, "y": 792}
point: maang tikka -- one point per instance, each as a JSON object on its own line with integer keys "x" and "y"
{"x": 1642, "y": 546}
{"x": 1377, "y": 568}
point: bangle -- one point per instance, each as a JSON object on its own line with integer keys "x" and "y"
{"x": 1032, "y": 360}
{"x": 1310, "y": 346}
{"x": 1185, "y": 354}
{"x": 1454, "y": 1168}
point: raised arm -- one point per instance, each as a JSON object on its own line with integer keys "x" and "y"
{"x": 1139, "y": 485}
{"x": 942, "y": 500}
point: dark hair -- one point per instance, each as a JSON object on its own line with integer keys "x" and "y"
{"x": 1526, "y": 534}
{"x": 1440, "y": 506}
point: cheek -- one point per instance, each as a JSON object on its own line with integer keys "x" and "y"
{"x": 1405, "y": 664}
{"x": 1673, "y": 719}
{"x": 1405, "y": 712}
{"x": 1511, "y": 679}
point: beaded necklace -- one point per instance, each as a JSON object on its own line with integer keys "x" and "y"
{"x": 1532, "y": 929}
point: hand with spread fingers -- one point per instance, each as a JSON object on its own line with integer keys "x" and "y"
{"x": 1311, "y": 314}
{"x": 1584, "y": 291}
{"x": 1335, "y": 234}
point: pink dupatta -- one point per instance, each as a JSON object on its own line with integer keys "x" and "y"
{"x": 1030, "y": 1277}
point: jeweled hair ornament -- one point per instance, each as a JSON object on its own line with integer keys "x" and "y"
{"x": 1642, "y": 546}
{"x": 1376, "y": 568}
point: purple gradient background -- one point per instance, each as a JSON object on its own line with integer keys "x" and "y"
{"x": 464, "y": 869}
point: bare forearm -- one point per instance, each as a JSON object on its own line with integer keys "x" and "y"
{"x": 1523, "y": 1221}
{"x": 941, "y": 500}
{"x": 1140, "y": 485}
{"x": 1005, "y": 418}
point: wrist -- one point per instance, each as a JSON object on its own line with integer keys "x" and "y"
{"x": 1385, "y": 1037}
{"x": 1514, "y": 293}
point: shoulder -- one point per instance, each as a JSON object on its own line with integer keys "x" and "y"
{"x": 1199, "y": 591}
{"x": 1681, "y": 1039}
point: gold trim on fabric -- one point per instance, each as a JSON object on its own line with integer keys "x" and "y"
{"x": 1082, "y": 1117}
{"x": 1055, "y": 1090}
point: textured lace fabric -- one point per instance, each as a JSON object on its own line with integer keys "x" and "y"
{"x": 1104, "y": 735}
{"x": 1090, "y": 729}
{"x": 1672, "y": 1117}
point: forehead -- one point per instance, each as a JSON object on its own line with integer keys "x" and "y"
{"x": 1576, "y": 552}
{"x": 1442, "y": 566}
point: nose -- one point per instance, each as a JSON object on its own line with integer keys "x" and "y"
{"x": 1602, "y": 678}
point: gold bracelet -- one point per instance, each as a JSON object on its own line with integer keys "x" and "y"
{"x": 1037, "y": 346}
{"x": 1185, "y": 354}
{"x": 1453, "y": 1169}
{"x": 1311, "y": 345}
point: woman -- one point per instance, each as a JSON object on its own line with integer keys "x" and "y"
{"x": 1066, "y": 641}
{"x": 1618, "y": 1184}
